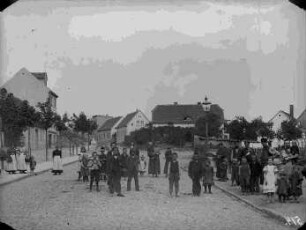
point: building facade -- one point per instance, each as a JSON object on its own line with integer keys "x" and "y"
{"x": 32, "y": 87}
{"x": 106, "y": 133}
{"x": 280, "y": 117}
{"x": 182, "y": 115}
{"x": 131, "y": 122}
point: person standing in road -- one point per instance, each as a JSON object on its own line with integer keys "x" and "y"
{"x": 174, "y": 174}
{"x": 270, "y": 176}
{"x": 142, "y": 165}
{"x": 132, "y": 170}
{"x": 11, "y": 161}
{"x": 244, "y": 175}
{"x": 103, "y": 160}
{"x": 109, "y": 158}
{"x": 168, "y": 157}
{"x": 134, "y": 149}
{"x": 208, "y": 176}
{"x": 32, "y": 165}
{"x": 124, "y": 161}
{"x": 116, "y": 172}
{"x": 195, "y": 172}
{"x": 94, "y": 168}
{"x": 57, "y": 161}
{"x": 154, "y": 162}
{"x": 21, "y": 164}
{"x": 255, "y": 168}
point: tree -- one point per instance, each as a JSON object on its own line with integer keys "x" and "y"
{"x": 289, "y": 130}
{"x": 61, "y": 125}
{"x": 237, "y": 128}
{"x": 258, "y": 127}
{"x": 92, "y": 126}
{"x": 12, "y": 121}
{"x": 47, "y": 119}
{"x": 214, "y": 123}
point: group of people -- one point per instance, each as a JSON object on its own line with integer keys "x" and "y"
{"x": 18, "y": 161}
{"x": 111, "y": 166}
{"x": 276, "y": 170}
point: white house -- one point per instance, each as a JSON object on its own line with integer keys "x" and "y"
{"x": 280, "y": 117}
{"x": 131, "y": 122}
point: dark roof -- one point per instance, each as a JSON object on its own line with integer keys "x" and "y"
{"x": 109, "y": 124}
{"x": 181, "y": 114}
{"x": 126, "y": 120}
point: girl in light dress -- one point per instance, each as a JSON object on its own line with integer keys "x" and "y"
{"x": 21, "y": 163}
{"x": 11, "y": 162}
{"x": 142, "y": 165}
{"x": 270, "y": 178}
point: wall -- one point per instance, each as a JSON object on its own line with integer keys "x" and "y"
{"x": 121, "y": 133}
{"x": 32, "y": 90}
{"x": 277, "y": 121}
{"x": 136, "y": 124}
{"x": 104, "y": 137}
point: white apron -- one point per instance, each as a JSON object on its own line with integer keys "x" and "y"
{"x": 57, "y": 163}
{"x": 12, "y": 166}
{"x": 21, "y": 164}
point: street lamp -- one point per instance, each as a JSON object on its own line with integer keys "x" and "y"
{"x": 206, "y": 107}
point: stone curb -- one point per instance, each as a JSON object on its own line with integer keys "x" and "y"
{"x": 36, "y": 173}
{"x": 271, "y": 213}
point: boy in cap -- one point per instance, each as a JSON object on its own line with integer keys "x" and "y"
{"x": 94, "y": 167}
{"x": 195, "y": 173}
{"x": 174, "y": 175}
{"x": 282, "y": 187}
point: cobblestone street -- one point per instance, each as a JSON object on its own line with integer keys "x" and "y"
{"x": 60, "y": 202}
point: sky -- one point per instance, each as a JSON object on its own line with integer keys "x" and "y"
{"x": 105, "y": 57}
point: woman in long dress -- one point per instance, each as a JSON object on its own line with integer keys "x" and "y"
{"x": 57, "y": 161}
{"x": 270, "y": 177}
{"x": 11, "y": 162}
{"x": 21, "y": 164}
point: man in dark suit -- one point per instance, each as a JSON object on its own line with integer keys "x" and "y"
{"x": 132, "y": 171}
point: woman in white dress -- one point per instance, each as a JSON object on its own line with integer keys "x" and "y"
{"x": 270, "y": 178}
{"x": 21, "y": 164}
{"x": 57, "y": 162}
{"x": 11, "y": 162}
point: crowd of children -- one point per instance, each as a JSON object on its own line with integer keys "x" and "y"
{"x": 277, "y": 172}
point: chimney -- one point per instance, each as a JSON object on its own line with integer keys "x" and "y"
{"x": 291, "y": 111}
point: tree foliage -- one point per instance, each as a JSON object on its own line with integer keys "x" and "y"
{"x": 213, "y": 122}
{"x": 289, "y": 130}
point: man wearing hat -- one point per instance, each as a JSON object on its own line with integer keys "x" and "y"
{"x": 115, "y": 170}
{"x": 109, "y": 157}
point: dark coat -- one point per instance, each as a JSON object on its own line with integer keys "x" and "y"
{"x": 134, "y": 151}
{"x": 282, "y": 186}
{"x": 124, "y": 162}
{"x": 132, "y": 164}
{"x": 265, "y": 153}
{"x": 296, "y": 183}
{"x": 168, "y": 155}
{"x": 255, "y": 168}
{"x": 115, "y": 167}
{"x": 195, "y": 169}
{"x": 154, "y": 161}
{"x": 244, "y": 171}
{"x": 208, "y": 175}
{"x": 103, "y": 161}
{"x": 57, "y": 152}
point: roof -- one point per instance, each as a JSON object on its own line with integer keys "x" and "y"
{"x": 181, "y": 114}
{"x": 40, "y": 75}
{"x": 109, "y": 124}
{"x": 126, "y": 119}
{"x": 302, "y": 119}
{"x": 281, "y": 111}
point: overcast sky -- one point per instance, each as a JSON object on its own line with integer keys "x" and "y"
{"x": 114, "y": 57}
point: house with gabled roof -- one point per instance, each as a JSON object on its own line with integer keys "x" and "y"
{"x": 302, "y": 121}
{"x": 280, "y": 117}
{"x": 131, "y": 122}
{"x": 32, "y": 86}
{"x": 181, "y": 115}
{"x": 106, "y": 133}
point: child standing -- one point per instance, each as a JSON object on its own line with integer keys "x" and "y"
{"x": 94, "y": 166}
{"x": 174, "y": 175}
{"x": 244, "y": 175}
{"x": 142, "y": 165}
{"x": 195, "y": 173}
{"x": 282, "y": 187}
{"x": 32, "y": 164}
{"x": 208, "y": 176}
{"x": 296, "y": 180}
{"x": 270, "y": 172}
{"x": 234, "y": 172}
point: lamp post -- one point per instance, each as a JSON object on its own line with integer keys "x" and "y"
{"x": 206, "y": 107}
